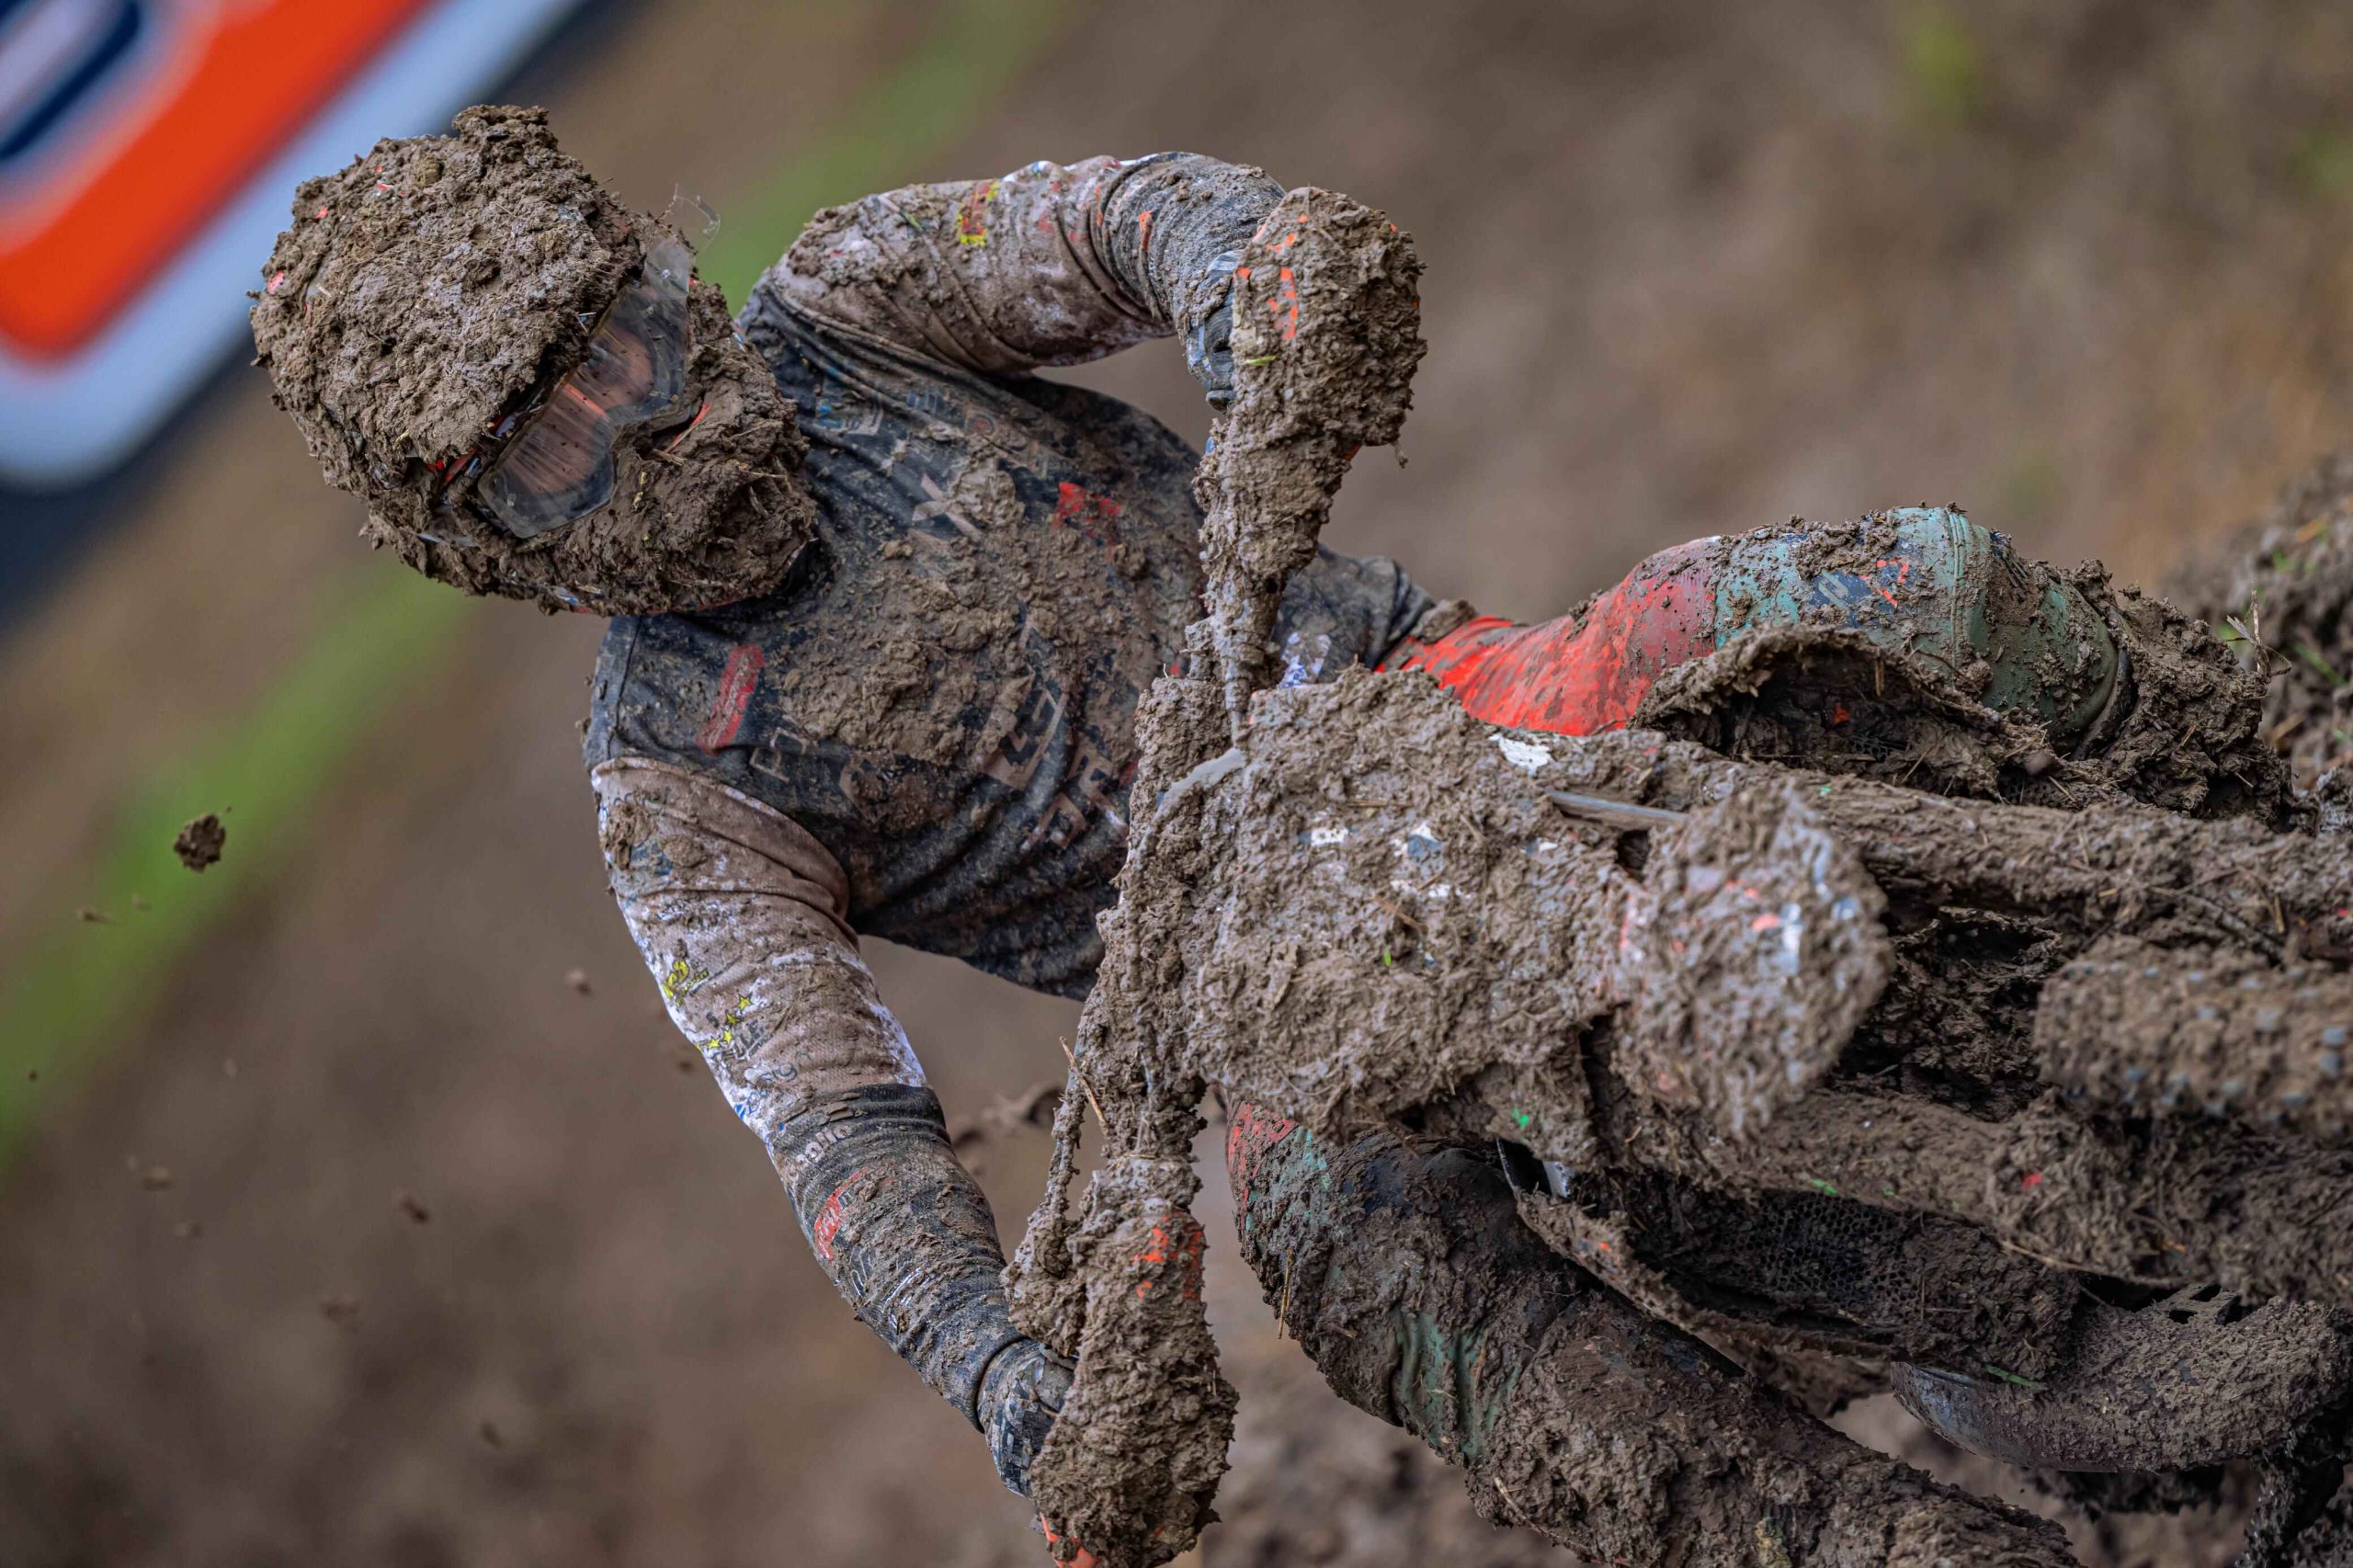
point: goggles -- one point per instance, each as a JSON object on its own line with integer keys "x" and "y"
{"x": 550, "y": 462}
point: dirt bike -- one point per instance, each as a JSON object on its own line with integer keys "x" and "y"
{"x": 1602, "y": 1104}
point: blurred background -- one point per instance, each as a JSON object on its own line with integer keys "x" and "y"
{"x": 358, "y": 1204}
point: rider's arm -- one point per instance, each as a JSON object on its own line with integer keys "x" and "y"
{"x": 741, "y": 915}
{"x": 1050, "y": 264}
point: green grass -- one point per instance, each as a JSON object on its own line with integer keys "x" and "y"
{"x": 2319, "y": 661}
{"x": 76, "y": 989}
{"x": 1943, "y": 67}
{"x": 2320, "y": 163}
{"x": 966, "y": 58}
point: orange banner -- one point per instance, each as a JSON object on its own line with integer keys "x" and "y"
{"x": 238, "y": 80}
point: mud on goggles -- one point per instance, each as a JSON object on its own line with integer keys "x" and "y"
{"x": 551, "y": 462}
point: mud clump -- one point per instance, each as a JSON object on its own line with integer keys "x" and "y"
{"x": 2194, "y": 738}
{"x": 1700, "y": 1031}
{"x": 1388, "y": 917}
{"x": 1721, "y": 1013}
{"x": 439, "y": 284}
{"x": 1326, "y": 337}
{"x": 2203, "y": 1033}
{"x": 1132, "y": 1463}
{"x": 2287, "y": 580}
{"x": 200, "y": 842}
{"x": 1136, "y": 1453}
{"x": 2182, "y": 726}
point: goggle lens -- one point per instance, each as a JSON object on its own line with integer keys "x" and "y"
{"x": 559, "y": 467}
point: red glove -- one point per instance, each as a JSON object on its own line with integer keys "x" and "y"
{"x": 1082, "y": 1558}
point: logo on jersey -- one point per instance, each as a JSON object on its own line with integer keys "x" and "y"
{"x": 733, "y": 700}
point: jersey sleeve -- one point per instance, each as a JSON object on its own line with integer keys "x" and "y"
{"x": 1050, "y": 264}
{"x": 739, "y": 914}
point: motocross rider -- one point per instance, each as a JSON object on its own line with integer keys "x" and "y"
{"x": 908, "y": 712}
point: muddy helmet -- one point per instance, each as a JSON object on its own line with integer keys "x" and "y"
{"x": 525, "y": 381}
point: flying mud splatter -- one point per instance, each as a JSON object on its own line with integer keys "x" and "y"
{"x": 200, "y": 842}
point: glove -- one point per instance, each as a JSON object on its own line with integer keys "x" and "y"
{"x": 1021, "y": 1394}
{"x": 1172, "y": 231}
{"x": 1208, "y": 345}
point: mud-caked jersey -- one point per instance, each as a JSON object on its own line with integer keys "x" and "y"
{"x": 944, "y": 694}
{"x": 928, "y": 733}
